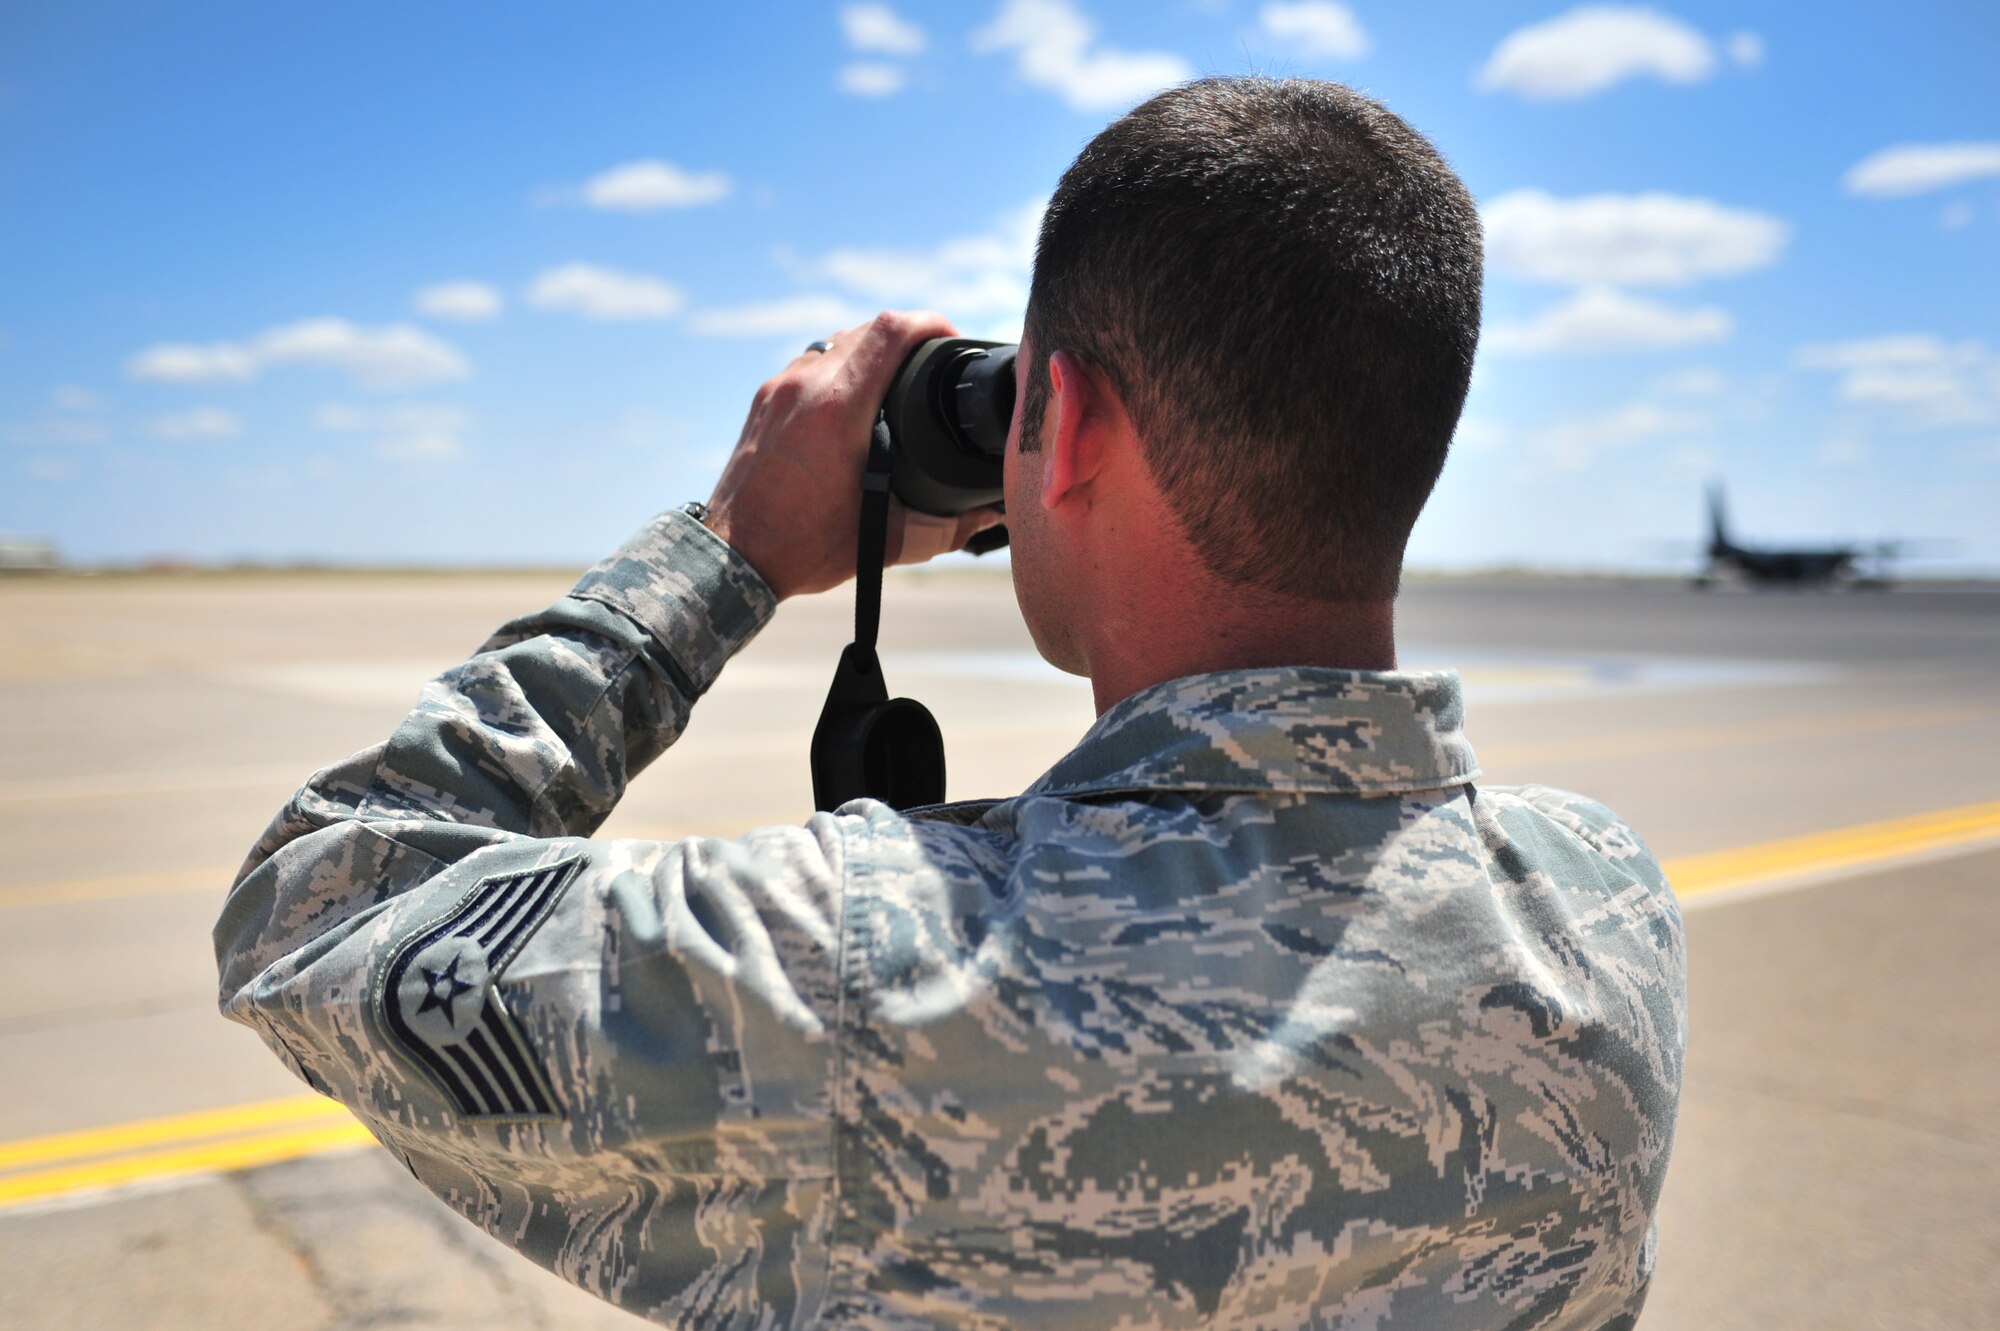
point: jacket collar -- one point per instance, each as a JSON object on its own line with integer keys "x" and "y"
{"x": 1293, "y": 728}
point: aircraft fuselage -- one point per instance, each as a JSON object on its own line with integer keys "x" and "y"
{"x": 1785, "y": 567}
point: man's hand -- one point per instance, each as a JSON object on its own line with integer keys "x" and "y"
{"x": 790, "y": 499}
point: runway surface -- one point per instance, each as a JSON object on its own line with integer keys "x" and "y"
{"x": 1820, "y": 772}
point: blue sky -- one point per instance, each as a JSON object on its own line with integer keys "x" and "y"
{"x": 457, "y": 283}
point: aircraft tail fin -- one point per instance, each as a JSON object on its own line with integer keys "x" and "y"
{"x": 1718, "y": 523}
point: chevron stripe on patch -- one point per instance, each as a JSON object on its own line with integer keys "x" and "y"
{"x": 440, "y": 1003}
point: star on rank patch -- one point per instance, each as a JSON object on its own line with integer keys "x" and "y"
{"x": 445, "y": 989}
{"x": 440, "y": 1005}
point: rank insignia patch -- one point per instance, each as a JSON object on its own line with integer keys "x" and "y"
{"x": 439, "y": 1001}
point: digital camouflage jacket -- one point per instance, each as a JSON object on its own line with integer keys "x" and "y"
{"x": 1256, "y": 1011}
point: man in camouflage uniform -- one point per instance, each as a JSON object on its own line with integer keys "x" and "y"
{"x": 1255, "y": 1011}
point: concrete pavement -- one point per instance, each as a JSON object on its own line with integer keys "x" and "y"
{"x": 1837, "y": 1163}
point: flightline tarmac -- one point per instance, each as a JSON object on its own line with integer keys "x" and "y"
{"x": 1818, "y": 772}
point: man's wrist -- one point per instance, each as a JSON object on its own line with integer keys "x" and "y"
{"x": 687, "y": 587}
{"x": 745, "y": 539}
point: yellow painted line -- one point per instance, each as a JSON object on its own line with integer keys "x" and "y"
{"x": 209, "y": 1158}
{"x": 215, "y": 881}
{"x": 1843, "y": 851}
{"x": 174, "y": 1128}
{"x": 203, "y": 1142}
{"x": 1626, "y": 744}
{"x": 271, "y": 1131}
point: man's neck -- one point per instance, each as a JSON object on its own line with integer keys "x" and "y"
{"x": 1234, "y": 629}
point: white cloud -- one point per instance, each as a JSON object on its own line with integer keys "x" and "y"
{"x": 604, "y": 293}
{"x": 652, "y": 185}
{"x": 186, "y": 363}
{"x": 1575, "y": 444}
{"x": 1841, "y": 453}
{"x": 1593, "y": 47}
{"x": 465, "y": 302}
{"x": 396, "y": 356}
{"x": 1956, "y": 216}
{"x": 419, "y": 448}
{"x": 1605, "y": 319}
{"x": 966, "y": 277}
{"x": 1914, "y": 381}
{"x": 1746, "y": 49}
{"x": 1316, "y": 28}
{"x": 71, "y": 397}
{"x": 1698, "y": 381}
{"x": 806, "y": 316}
{"x": 868, "y": 78}
{"x": 196, "y": 423}
{"x": 414, "y": 433}
{"x": 1904, "y": 388}
{"x": 1896, "y": 349}
{"x": 1916, "y": 168}
{"x": 876, "y": 27}
{"x": 1055, "y": 47}
{"x": 51, "y": 469}
{"x": 1649, "y": 239}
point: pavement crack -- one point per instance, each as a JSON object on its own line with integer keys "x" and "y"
{"x": 269, "y": 1220}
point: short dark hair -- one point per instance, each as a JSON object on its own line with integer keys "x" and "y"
{"x": 1281, "y": 279}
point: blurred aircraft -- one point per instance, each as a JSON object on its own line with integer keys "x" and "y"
{"x": 1795, "y": 567}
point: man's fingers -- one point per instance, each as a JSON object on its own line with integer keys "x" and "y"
{"x": 862, "y": 361}
{"x": 806, "y": 359}
{"x": 871, "y": 354}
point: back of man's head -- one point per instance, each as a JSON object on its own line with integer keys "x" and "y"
{"x": 1281, "y": 279}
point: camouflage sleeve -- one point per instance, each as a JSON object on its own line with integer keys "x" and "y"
{"x": 615, "y": 1056}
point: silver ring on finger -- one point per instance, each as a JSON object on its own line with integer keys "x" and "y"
{"x": 819, "y": 345}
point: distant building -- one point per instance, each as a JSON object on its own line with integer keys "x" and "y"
{"x": 19, "y": 556}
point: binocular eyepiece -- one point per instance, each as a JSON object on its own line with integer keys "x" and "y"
{"x": 948, "y": 413}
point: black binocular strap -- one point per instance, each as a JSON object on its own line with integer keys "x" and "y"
{"x": 872, "y": 548}
{"x": 867, "y": 743}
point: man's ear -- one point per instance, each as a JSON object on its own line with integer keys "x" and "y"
{"x": 1073, "y": 448}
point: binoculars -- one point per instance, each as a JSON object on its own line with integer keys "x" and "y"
{"x": 948, "y": 413}
{"x": 937, "y": 446}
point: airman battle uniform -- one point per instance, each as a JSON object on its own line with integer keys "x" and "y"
{"x": 1255, "y": 1011}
